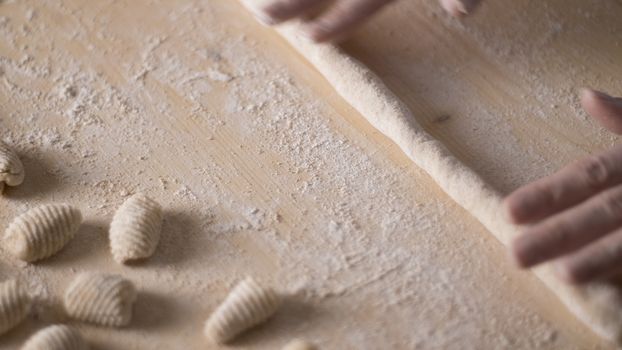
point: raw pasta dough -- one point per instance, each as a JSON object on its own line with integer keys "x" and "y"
{"x": 598, "y": 305}
{"x": 42, "y": 231}
{"x": 56, "y": 337}
{"x": 11, "y": 168}
{"x": 135, "y": 229}
{"x": 103, "y": 299}
{"x": 248, "y": 305}
{"x": 14, "y": 304}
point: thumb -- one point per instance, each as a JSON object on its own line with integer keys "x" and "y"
{"x": 604, "y": 108}
{"x": 459, "y": 8}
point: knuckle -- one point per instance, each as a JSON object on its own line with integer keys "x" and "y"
{"x": 559, "y": 232}
{"x": 611, "y": 202}
{"x": 595, "y": 171}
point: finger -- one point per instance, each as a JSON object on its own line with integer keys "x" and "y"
{"x": 568, "y": 187}
{"x": 342, "y": 18}
{"x": 600, "y": 259}
{"x": 282, "y": 10}
{"x": 606, "y": 109}
{"x": 569, "y": 230}
{"x": 459, "y": 8}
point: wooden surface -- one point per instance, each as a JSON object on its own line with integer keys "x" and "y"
{"x": 501, "y": 88}
{"x": 263, "y": 170}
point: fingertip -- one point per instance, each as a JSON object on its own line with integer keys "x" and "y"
{"x": 459, "y": 8}
{"x": 589, "y": 98}
{"x": 318, "y": 32}
{"x": 605, "y": 108}
{"x": 565, "y": 272}
{"x": 517, "y": 253}
{"x": 313, "y": 35}
{"x": 270, "y": 14}
{"x": 454, "y": 7}
{"x": 507, "y": 211}
{"x": 511, "y": 210}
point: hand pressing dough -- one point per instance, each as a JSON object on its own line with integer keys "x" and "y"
{"x": 598, "y": 305}
{"x": 56, "y": 337}
{"x": 42, "y": 231}
{"x": 11, "y": 168}
{"x": 135, "y": 229}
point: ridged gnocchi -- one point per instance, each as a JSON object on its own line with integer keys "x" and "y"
{"x": 11, "y": 168}
{"x": 41, "y": 232}
{"x": 14, "y": 304}
{"x": 102, "y": 299}
{"x": 247, "y": 305}
{"x": 56, "y": 337}
{"x": 299, "y": 344}
{"x": 135, "y": 229}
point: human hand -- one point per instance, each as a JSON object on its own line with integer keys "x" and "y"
{"x": 576, "y": 213}
{"x": 337, "y": 17}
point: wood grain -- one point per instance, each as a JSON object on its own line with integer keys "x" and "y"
{"x": 381, "y": 257}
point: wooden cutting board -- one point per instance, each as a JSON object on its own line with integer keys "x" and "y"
{"x": 265, "y": 171}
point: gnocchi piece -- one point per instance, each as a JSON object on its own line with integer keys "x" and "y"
{"x": 299, "y": 344}
{"x": 11, "y": 168}
{"x": 135, "y": 229}
{"x": 14, "y": 304}
{"x": 56, "y": 337}
{"x": 102, "y": 299}
{"x": 247, "y": 305}
{"x": 41, "y": 232}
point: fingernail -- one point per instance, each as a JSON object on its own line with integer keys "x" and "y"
{"x": 454, "y": 7}
{"x": 585, "y": 93}
{"x": 459, "y": 9}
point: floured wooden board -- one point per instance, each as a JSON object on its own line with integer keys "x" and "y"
{"x": 263, "y": 170}
{"x": 501, "y": 88}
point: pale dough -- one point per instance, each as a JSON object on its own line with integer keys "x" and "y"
{"x": 11, "y": 167}
{"x": 42, "y": 231}
{"x": 56, "y": 337}
{"x": 135, "y": 229}
{"x": 102, "y": 299}
{"x": 15, "y": 303}
{"x": 598, "y": 305}
{"x": 247, "y": 305}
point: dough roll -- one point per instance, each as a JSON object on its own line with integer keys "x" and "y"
{"x": 598, "y": 305}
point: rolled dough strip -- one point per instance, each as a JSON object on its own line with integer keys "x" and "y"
{"x": 598, "y": 305}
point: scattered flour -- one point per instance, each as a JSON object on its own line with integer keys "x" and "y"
{"x": 257, "y": 174}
